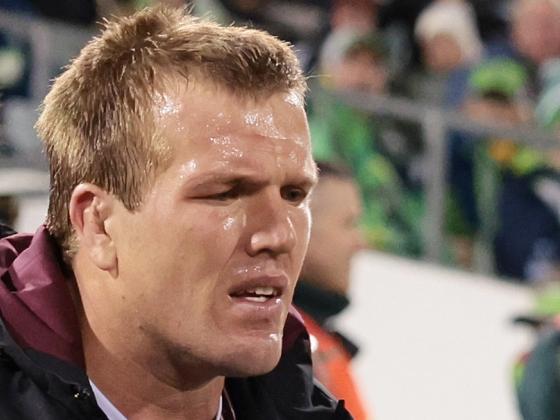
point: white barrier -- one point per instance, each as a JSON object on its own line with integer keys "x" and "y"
{"x": 32, "y": 212}
{"x": 437, "y": 344}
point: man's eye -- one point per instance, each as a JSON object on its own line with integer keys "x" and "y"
{"x": 293, "y": 194}
{"x": 226, "y": 195}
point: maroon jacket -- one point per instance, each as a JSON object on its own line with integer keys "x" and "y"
{"x": 41, "y": 360}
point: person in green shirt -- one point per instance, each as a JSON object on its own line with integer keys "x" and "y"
{"x": 377, "y": 151}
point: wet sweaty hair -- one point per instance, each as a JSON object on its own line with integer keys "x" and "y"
{"x": 98, "y": 121}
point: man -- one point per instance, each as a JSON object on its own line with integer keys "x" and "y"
{"x": 177, "y": 225}
{"x": 539, "y": 375}
{"x": 378, "y": 150}
{"x": 535, "y": 30}
{"x": 325, "y": 279}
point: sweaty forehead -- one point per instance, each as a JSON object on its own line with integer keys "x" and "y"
{"x": 212, "y": 110}
{"x": 211, "y": 124}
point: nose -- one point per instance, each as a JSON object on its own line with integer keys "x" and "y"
{"x": 273, "y": 230}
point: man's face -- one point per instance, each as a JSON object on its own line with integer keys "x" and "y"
{"x": 361, "y": 71}
{"x": 208, "y": 264}
{"x": 535, "y": 30}
{"x": 442, "y": 53}
{"x": 335, "y": 236}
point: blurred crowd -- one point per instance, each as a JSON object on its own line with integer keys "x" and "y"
{"x": 503, "y": 194}
{"x": 495, "y": 63}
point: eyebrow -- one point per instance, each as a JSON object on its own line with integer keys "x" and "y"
{"x": 224, "y": 178}
{"x": 251, "y": 177}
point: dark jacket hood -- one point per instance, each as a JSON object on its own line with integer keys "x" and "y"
{"x": 35, "y": 303}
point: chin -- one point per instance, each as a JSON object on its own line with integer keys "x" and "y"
{"x": 253, "y": 358}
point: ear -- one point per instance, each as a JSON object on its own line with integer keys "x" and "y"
{"x": 90, "y": 208}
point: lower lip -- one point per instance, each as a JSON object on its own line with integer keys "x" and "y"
{"x": 270, "y": 309}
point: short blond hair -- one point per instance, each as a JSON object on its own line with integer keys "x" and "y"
{"x": 97, "y": 122}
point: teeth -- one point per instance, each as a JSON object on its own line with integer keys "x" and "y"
{"x": 257, "y": 294}
{"x": 262, "y": 291}
{"x": 260, "y": 299}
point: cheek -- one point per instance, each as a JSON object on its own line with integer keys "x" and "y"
{"x": 301, "y": 222}
{"x": 205, "y": 224}
{"x": 195, "y": 243}
{"x": 302, "y": 226}
{"x": 195, "y": 257}
{"x": 216, "y": 235}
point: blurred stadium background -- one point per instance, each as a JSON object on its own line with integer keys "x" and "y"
{"x": 458, "y": 164}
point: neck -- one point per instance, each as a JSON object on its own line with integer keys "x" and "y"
{"x": 139, "y": 390}
{"x": 139, "y": 393}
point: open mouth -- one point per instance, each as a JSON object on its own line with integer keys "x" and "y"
{"x": 259, "y": 290}
{"x": 260, "y": 294}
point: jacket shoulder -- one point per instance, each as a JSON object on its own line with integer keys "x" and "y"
{"x": 35, "y": 385}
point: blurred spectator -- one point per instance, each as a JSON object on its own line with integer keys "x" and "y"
{"x": 15, "y": 55}
{"x": 27, "y": 62}
{"x": 536, "y": 35}
{"x": 358, "y": 15}
{"x": 448, "y": 35}
{"x": 15, "y": 65}
{"x": 505, "y": 187}
{"x": 535, "y": 29}
{"x": 548, "y": 106}
{"x": 540, "y": 386}
{"x": 537, "y": 373}
{"x": 351, "y": 60}
{"x": 450, "y": 45}
{"x": 491, "y": 19}
{"x": 376, "y": 150}
{"x": 322, "y": 291}
{"x": 495, "y": 96}
{"x": 15, "y": 77}
{"x": 548, "y": 113}
{"x": 396, "y": 19}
